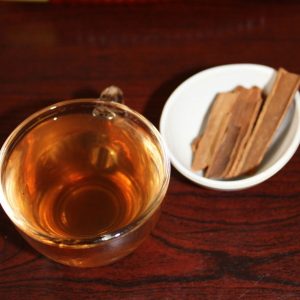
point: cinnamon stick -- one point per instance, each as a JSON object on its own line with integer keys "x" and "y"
{"x": 245, "y": 117}
{"x": 273, "y": 111}
{"x": 205, "y": 146}
{"x": 239, "y": 126}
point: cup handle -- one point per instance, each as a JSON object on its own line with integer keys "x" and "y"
{"x": 113, "y": 94}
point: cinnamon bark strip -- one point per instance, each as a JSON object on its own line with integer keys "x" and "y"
{"x": 273, "y": 111}
{"x": 205, "y": 145}
{"x": 239, "y": 126}
{"x": 245, "y": 117}
{"x": 223, "y": 152}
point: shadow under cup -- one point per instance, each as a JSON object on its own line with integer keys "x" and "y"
{"x": 83, "y": 180}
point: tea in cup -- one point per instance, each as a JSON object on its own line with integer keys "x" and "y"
{"x": 83, "y": 180}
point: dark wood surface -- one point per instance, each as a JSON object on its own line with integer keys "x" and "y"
{"x": 207, "y": 244}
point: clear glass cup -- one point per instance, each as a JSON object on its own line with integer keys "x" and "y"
{"x": 83, "y": 180}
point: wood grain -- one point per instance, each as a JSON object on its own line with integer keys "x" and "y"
{"x": 207, "y": 244}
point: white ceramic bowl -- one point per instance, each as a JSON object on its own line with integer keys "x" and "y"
{"x": 187, "y": 106}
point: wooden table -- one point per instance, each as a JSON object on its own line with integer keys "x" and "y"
{"x": 207, "y": 244}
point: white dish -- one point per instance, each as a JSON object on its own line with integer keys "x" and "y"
{"x": 187, "y": 106}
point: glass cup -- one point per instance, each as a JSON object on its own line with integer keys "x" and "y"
{"x": 83, "y": 180}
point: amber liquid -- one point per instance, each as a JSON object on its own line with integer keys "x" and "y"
{"x": 78, "y": 176}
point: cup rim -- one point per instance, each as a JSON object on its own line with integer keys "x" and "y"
{"x": 90, "y": 241}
